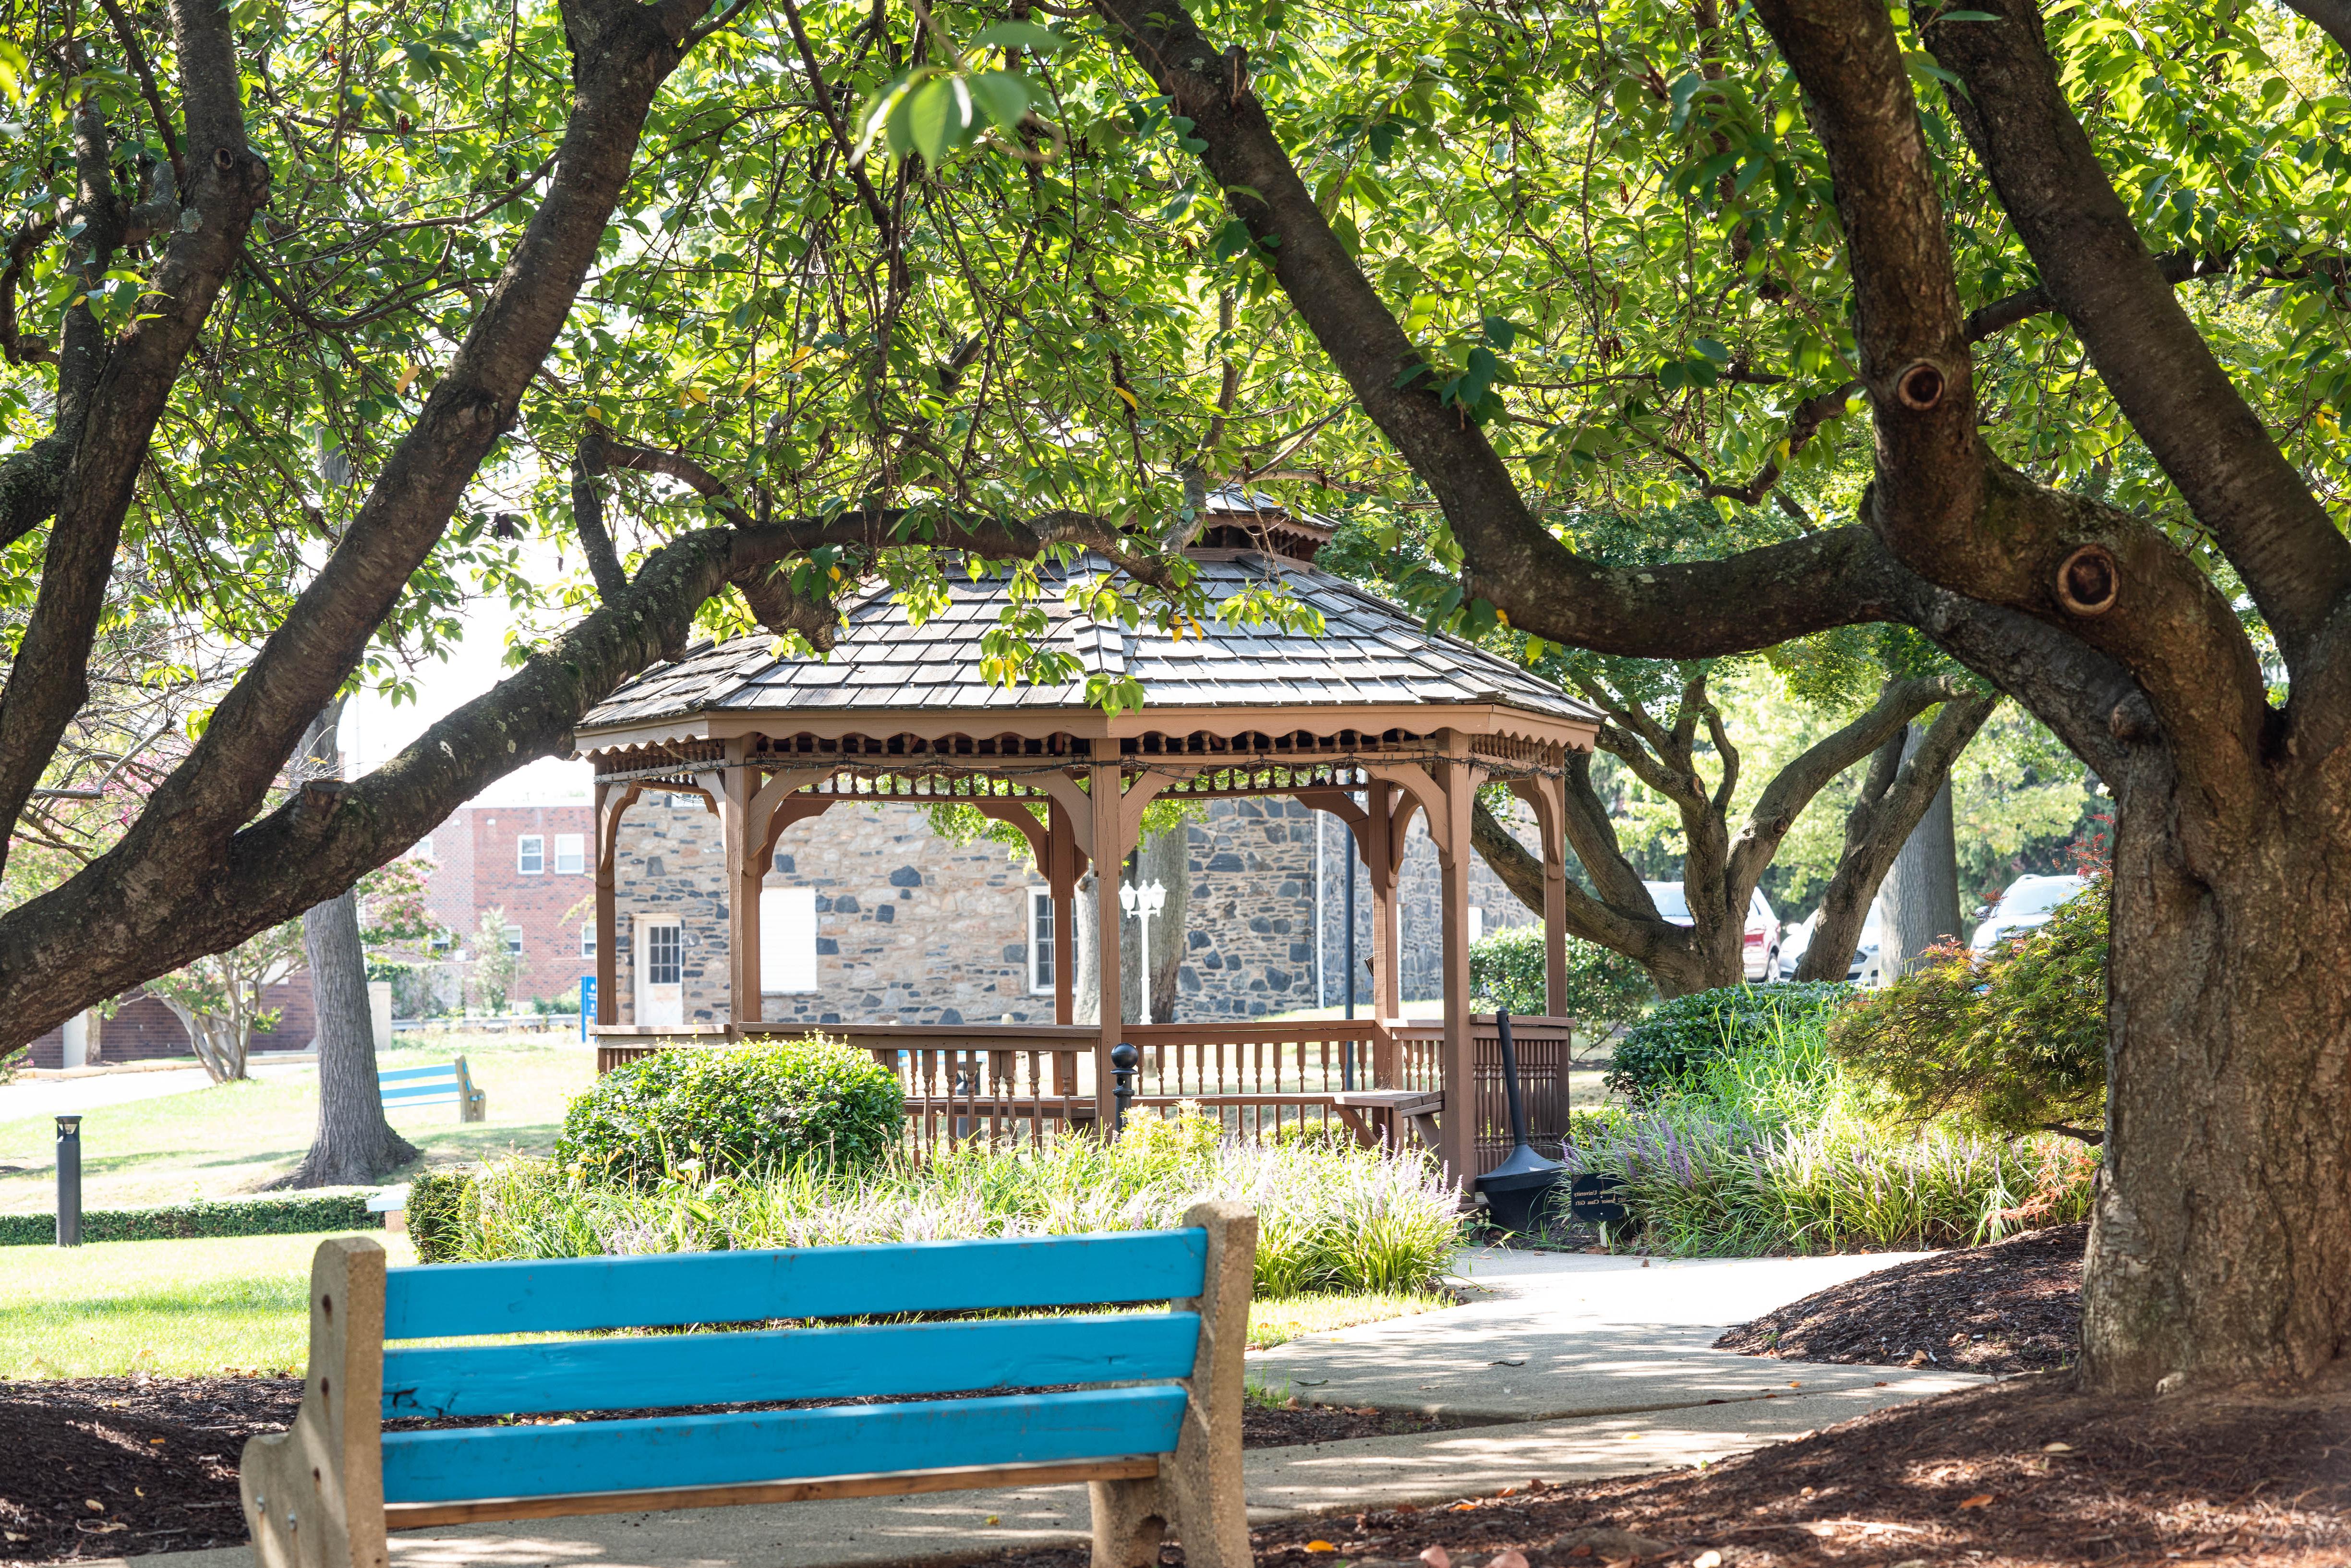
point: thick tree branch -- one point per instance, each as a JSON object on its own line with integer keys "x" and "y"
{"x": 1587, "y": 919}
{"x": 47, "y": 684}
{"x": 2333, "y": 17}
{"x": 622, "y": 54}
{"x": 2158, "y": 366}
{"x": 1794, "y": 787}
{"x": 1893, "y": 799}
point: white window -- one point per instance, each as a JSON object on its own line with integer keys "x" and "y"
{"x": 422, "y": 849}
{"x": 1040, "y": 941}
{"x": 662, "y": 956}
{"x": 513, "y": 938}
{"x": 788, "y": 939}
{"x": 530, "y": 853}
{"x": 588, "y": 940}
{"x": 571, "y": 853}
{"x": 1476, "y": 924}
{"x": 443, "y": 941}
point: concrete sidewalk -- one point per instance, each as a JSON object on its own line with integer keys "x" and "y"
{"x": 1616, "y": 1379}
{"x": 1564, "y": 1335}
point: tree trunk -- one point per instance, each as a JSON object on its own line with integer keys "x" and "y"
{"x": 1165, "y": 859}
{"x": 1922, "y": 890}
{"x": 217, "y": 1043}
{"x": 2221, "y": 1243}
{"x": 354, "y": 1144}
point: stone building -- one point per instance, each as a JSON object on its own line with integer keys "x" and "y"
{"x": 871, "y": 917}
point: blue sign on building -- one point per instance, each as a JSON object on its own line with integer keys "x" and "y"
{"x": 587, "y": 1003}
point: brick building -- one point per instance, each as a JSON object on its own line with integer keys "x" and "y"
{"x": 530, "y": 858}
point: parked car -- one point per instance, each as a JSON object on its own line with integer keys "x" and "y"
{"x": 1761, "y": 955}
{"x": 2028, "y": 903}
{"x": 1864, "y": 969}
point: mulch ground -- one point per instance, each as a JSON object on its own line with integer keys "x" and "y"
{"x": 110, "y": 1466}
{"x": 2025, "y": 1473}
{"x": 2013, "y": 1306}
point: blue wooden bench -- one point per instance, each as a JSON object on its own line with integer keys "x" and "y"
{"x": 1161, "y": 1449}
{"x": 434, "y": 1086}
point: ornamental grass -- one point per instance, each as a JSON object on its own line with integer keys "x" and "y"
{"x": 1331, "y": 1219}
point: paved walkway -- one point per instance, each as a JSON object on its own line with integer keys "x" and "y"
{"x": 53, "y": 1096}
{"x": 1584, "y": 1366}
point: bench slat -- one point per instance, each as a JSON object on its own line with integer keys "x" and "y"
{"x": 445, "y": 1071}
{"x": 780, "y": 1445}
{"x": 420, "y": 1092}
{"x": 637, "y": 1373}
{"x": 904, "y": 1483}
{"x": 567, "y": 1294}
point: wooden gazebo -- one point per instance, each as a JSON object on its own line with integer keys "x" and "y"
{"x": 1373, "y": 721}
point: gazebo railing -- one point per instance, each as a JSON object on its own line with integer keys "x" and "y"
{"x": 1001, "y": 1082}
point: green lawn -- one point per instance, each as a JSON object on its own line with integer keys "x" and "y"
{"x": 178, "y": 1307}
{"x": 235, "y": 1138}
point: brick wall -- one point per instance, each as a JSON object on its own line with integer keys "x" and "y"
{"x": 911, "y": 928}
{"x": 477, "y": 867}
{"x": 143, "y": 1028}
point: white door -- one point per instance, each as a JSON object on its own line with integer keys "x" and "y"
{"x": 661, "y": 991}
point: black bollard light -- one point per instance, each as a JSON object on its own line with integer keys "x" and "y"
{"x": 1122, "y": 1057}
{"x": 69, "y": 1181}
{"x": 1516, "y": 1189}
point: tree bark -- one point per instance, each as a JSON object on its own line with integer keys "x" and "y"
{"x": 1922, "y": 890}
{"x": 354, "y": 1144}
{"x": 2221, "y": 1243}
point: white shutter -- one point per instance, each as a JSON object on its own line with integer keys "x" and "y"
{"x": 788, "y": 939}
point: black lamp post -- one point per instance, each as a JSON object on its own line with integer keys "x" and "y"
{"x": 1122, "y": 1057}
{"x": 69, "y": 1181}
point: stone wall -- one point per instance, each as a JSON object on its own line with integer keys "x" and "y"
{"x": 914, "y": 929}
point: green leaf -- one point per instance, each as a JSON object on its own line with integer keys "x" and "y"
{"x": 1004, "y": 96}
{"x": 932, "y": 119}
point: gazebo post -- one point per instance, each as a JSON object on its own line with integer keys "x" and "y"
{"x": 611, "y": 801}
{"x": 733, "y": 790}
{"x": 1547, "y": 796}
{"x": 1457, "y": 1128}
{"x": 1107, "y": 785}
{"x": 1062, "y": 885}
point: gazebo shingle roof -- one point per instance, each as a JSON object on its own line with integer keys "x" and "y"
{"x": 1370, "y": 653}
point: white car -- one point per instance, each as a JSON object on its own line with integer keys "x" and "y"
{"x": 1761, "y": 955}
{"x": 2029, "y": 902}
{"x": 1865, "y": 968}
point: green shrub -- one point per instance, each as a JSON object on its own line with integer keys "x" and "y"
{"x": 437, "y": 1214}
{"x": 1604, "y": 988}
{"x": 734, "y": 1110}
{"x": 2010, "y": 1042}
{"x": 1670, "y": 1049}
{"x": 291, "y": 1216}
{"x": 1330, "y": 1217}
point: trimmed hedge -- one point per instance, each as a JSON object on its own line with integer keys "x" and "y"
{"x": 734, "y": 1110}
{"x": 1604, "y": 987}
{"x": 438, "y": 1210}
{"x": 1669, "y": 1048}
{"x": 291, "y": 1216}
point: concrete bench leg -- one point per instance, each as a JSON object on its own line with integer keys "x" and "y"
{"x": 1201, "y": 1483}
{"x": 1129, "y": 1522}
{"x": 314, "y": 1496}
{"x": 477, "y": 1107}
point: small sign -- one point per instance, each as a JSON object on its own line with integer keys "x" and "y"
{"x": 587, "y": 1003}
